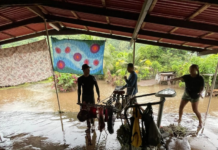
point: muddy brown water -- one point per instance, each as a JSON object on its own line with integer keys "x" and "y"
{"x": 29, "y": 118}
{"x": 40, "y": 97}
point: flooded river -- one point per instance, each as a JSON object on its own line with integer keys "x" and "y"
{"x": 41, "y": 98}
{"x": 29, "y": 118}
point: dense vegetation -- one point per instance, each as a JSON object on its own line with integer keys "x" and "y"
{"x": 148, "y": 60}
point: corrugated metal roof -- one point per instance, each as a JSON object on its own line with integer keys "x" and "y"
{"x": 59, "y": 12}
{"x": 208, "y": 16}
{"x": 70, "y": 25}
{"x": 172, "y": 41}
{"x": 92, "y": 17}
{"x": 196, "y": 45}
{"x": 150, "y": 38}
{"x": 98, "y": 30}
{"x": 4, "y": 36}
{"x": 128, "y": 5}
{"x": 122, "y": 33}
{"x": 122, "y": 22}
{"x": 38, "y": 26}
{"x": 17, "y": 13}
{"x": 96, "y": 3}
{"x": 18, "y": 31}
{"x": 4, "y": 21}
{"x": 175, "y": 9}
{"x": 165, "y": 8}
{"x": 213, "y": 47}
{"x": 189, "y": 32}
{"x": 157, "y": 27}
{"x": 213, "y": 36}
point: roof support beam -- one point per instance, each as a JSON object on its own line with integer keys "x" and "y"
{"x": 55, "y": 26}
{"x": 39, "y": 11}
{"x": 70, "y": 31}
{"x": 133, "y": 16}
{"x": 152, "y": 6}
{"x": 77, "y": 17}
{"x": 21, "y": 23}
{"x": 28, "y": 2}
{"x": 117, "y": 13}
{"x": 6, "y": 18}
{"x": 181, "y": 23}
{"x": 73, "y": 31}
{"x": 174, "y": 29}
{"x": 141, "y": 18}
{"x": 207, "y": 34}
{"x": 30, "y": 29}
{"x": 103, "y": 3}
{"x": 42, "y": 9}
{"x": 74, "y": 7}
{"x": 130, "y": 30}
{"x": 108, "y": 21}
{"x": 22, "y": 38}
{"x": 36, "y": 11}
{"x": 8, "y": 34}
{"x": 203, "y": 1}
{"x": 198, "y": 11}
{"x": 208, "y": 52}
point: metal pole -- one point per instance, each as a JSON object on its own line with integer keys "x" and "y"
{"x": 133, "y": 53}
{"x": 211, "y": 94}
{"x": 52, "y": 65}
{"x": 160, "y": 112}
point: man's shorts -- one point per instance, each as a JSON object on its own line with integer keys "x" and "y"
{"x": 88, "y": 99}
{"x": 186, "y": 97}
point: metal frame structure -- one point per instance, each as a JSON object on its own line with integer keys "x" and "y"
{"x": 192, "y": 28}
{"x": 181, "y": 24}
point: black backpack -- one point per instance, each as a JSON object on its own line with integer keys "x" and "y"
{"x": 151, "y": 135}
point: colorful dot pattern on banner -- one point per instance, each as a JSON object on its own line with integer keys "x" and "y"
{"x": 61, "y": 64}
{"x": 70, "y": 55}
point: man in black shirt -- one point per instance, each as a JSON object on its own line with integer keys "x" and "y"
{"x": 87, "y": 82}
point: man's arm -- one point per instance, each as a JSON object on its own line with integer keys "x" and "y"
{"x": 97, "y": 88}
{"x": 177, "y": 79}
{"x": 132, "y": 80}
{"x": 127, "y": 82}
{"x": 79, "y": 90}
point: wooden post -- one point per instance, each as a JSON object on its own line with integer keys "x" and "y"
{"x": 211, "y": 94}
{"x": 52, "y": 65}
{"x": 133, "y": 53}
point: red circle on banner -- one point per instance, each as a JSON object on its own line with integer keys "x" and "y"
{"x": 86, "y": 61}
{"x": 58, "y": 50}
{"x": 96, "y": 62}
{"x": 95, "y": 48}
{"x": 61, "y": 64}
{"x": 77, "y": 56}
{"x": 67, "y": 50}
